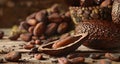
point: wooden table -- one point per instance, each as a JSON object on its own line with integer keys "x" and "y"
{"x": 8, "y": 45}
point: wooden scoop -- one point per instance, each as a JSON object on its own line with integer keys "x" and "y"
{"x": 47, "y": 48}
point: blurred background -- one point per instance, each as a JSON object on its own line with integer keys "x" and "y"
{"x": 14, "y": 11}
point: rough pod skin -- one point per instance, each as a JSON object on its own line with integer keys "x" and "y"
{"x": 102, "y": 34}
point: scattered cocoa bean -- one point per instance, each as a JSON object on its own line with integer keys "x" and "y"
{"x": 51, "y": 29}
{"x": 66, "y": 41}
{"x": 13, "y": 56}
{"x": 26, "y": 37}
{"x": 62, "y": 28}
{"x": 55, "y": 17}
{"x": 1, "y": 34}
{"x": 39, "y": 29}
{"x": 104, "y": 62}
{"x": 38, "y": 42}
{"x": 41, "y": 16}
{"x": 63, "y": 61}
{"x": 38, "y": 56}
{"x": 31, "y": 29}
{"x": 77, "y": 60}
{"x": 28, "y": 46}
{"x": 95, "y": 56}
{"x": 112, "y": 57}
{"x": 32, "y": 22}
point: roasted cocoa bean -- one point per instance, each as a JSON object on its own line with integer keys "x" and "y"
{"x": 31, "y": 29}
{"x": 62, "y": 28}
{"x": 13, "y": 56}
{"x": 55, "y": 17}
{"x": 51, "y": 29}
{"x": 77, "y": 60}
{"x": 1, "y": 34}
{"x": 32, "y": 22}
{"x": 38, "y": 56}
{"x": 26, "y": 37}
{"x": 112, "y": 57}
{"x": 41, "y": 16}
{"x": 54, "y": 8}
{"x": 15, "y": 36}
{"x": 105, "y": 3}
{"x": 39, "y": 29}
{"x": 65, "y": 41}
{"x": 24, "y": 26}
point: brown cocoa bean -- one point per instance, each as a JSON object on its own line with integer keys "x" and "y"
{"x": 63, "y": 61}
{"x": 35, "y": 37}
{"x": 55, "y": 8}
{"x": 31, "y": 29}
{"x": 77, "y": 60}
{"x": 112, "y": 57}
{"x": 26, "y": 37}
{"x": 43, "y": 37}
{"x": 41, "y": 16}
{"x": 32, "y": 22}
{"x": 39, "y": 29}
{"x": 62, "y": 28}
{"x": 38, "y": 56}
{"x": 28, "y": 46}
{"x": 38, "y": 42}
{"x": 1, "y": 34}
{"x": 105, "y": 3}
{"x": 55, "y": 17}
{"x": 24, "y": 25}
{"x": 32, "y": 16}
{"x": 51, "y": 29}
{"x": 15, "y": 36}
{"x": 104, "y": 62}
{"x": 13, "y": 56}
{"x": 66, "y": 41}
{"x": 64, "y": 35}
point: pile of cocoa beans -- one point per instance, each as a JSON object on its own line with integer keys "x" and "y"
{"x": 44, "y": 24}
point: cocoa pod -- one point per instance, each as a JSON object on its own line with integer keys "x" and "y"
{"x": 55, "y": 17}
{"x": 31, "y": 29}
{"x": 1, "y": 34}
{"x": 41, "y": 16}
{"x": 26, "y": 37}
{"x": 13, "y": 56}
{"x": 32, "y": 22}
{"x": 112, "y": 57}
{"x": 62, "y": 28}
{"x": 39, "y": 29}
{"x": 66, "y": 41}
{"x": 51, "y": 29}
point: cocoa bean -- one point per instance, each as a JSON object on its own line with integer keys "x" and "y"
{"x": 38, "y": 56}
{"x": 62, "y": 28}
{"x": 39, "y": 29}
{"x": 77, "y": 60}
{"x": 26, "y": 37}
{"x": 24, "y": 26}
{"x": 55, "y": 17}
{"x": 13, "y": 56}
{"x": 55, "y": 8}
{"x": 31, "y": 29}
{"x": 32, "y": 16}
{"x": 51, "y": 29}
{"x": 41, "y": 16}
{"x": 28, "y": 46}
{"x": 38, "y": 42}
{"x": 15, "y": 36}
{"x": 32, "y": 22}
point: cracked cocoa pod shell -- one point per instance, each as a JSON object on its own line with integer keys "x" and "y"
{"x": 116, "y": 12}
{"x": 62, "y": 28}
{"x": 51, "y": 29}
{"x": 39, "y": 29}
{"x": 1, "y": 34}
{"x": 26, "y": 37}
{"x": 102, "y": 34}
{"x": 13, "y": 56}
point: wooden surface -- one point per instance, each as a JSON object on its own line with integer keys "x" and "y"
{"x": 6, "y": 44}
